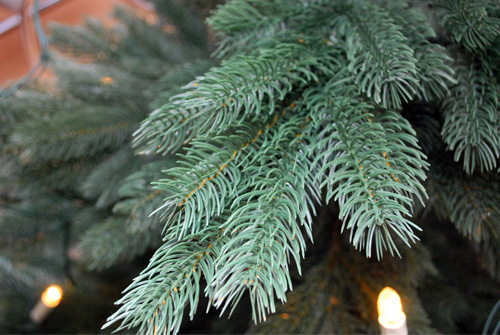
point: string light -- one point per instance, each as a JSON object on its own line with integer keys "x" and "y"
{"x": 44, "y": 54}
{"x": 49, "y": 300}
{"x": 106, "y": 81}
{"x": 392, "y": 319}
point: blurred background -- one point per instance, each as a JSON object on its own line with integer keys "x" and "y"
{"x": 19, "y": 47}
{"x": 105, "y": 56}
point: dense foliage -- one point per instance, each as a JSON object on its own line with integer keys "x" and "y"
{"x": 384, "y": 110}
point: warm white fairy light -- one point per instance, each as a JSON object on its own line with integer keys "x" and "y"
{"x": 50, "y": 299}
{"x": 392, "y": 319}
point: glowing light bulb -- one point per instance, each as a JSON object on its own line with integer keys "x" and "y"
{"x": 106, "y": 81}
{"x": 392, "y": 319}
{"x": 50, "y": 298}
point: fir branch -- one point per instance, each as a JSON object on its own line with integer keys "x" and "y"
{"x": 143, "y": 40}
{"x": 41, "y": 213}
{"x": 469, "y": 22}
{"x": 59, "y": 177}
{"x": 101, "y": 186}
{"x": 471, "y": 126}
{"x": 242, "y": 87}
{"x": 470, "y": 202}
{"x": 243, "y": 15}
{"x": 265, "y": 226}
{"x": 371, "y": 168}
{"x": 257, "y": 259}
{"x": 206, "y": 172}
{"x": 170, "y": 84}
{"x": 278, "y": 167}
{"x": 21, "y": 278}
{"x": 139, "y": 199}
{"x": 107, "y": 243}
{"x": 27, "y": 104}
{"x": 102, "y": 84}
{"x": 433, "y": 69}
{"x": 255, "y": 242}
{"x": 139, "y": 209}
{"x": 177, "y": 268}
{"x": 73, "y": 135}
{"x": 89, "y": 41}
{"x": 379, "y": 56}
{"x": 188, "y": 21}
{"x": 211, "y": 170}
{"x": 84, "y": 218}
{"x": 245, "y": 26}
{"x": 262, "y": 234}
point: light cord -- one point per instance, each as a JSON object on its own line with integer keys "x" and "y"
{"x": 490, "y": 319}
{"x": 44, "y": 54}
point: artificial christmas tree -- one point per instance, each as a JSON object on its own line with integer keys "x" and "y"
{"x": 386, "y": 109}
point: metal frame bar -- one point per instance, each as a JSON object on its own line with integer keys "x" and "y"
{"x": 15, "y": 20}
